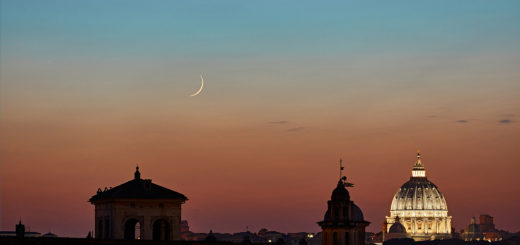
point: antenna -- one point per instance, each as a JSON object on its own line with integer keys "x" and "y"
{"x": 341, "y": 168}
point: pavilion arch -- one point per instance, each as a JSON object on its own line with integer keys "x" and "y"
{"x": 133, "y": 228}
{"x": 161, "y": 230}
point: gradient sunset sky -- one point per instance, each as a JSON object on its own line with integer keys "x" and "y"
{"x": 90, "y": 89}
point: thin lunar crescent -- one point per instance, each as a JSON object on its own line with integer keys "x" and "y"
{"x": 201, "y": 87}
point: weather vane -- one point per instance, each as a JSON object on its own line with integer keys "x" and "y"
{"x": 341, "y": 177}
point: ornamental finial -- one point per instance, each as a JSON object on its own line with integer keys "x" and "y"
{"x": 137, "y": 174}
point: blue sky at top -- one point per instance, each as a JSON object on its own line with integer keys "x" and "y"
{"x": 255, "y": 28}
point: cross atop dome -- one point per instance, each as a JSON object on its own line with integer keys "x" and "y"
{"x": 418, "y": 168}
{"x": 419, "y": 157}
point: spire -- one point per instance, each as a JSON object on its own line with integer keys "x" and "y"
{"x": 419, "y": 157}
{"x": 418, "y": 168}
{"x": 137, "y": 175}
{"x": 341, "y": 168}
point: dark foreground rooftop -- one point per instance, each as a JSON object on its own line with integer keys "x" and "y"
{"x": 83, "y": 241}
{"x": 515, "y": 240}
{"x": 137, "y": 188}
{"x": 86, "y": 241}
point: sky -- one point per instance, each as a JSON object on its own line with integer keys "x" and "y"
{"x": 90, "y": 89}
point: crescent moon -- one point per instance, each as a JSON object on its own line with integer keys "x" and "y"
{"x": 201, "y": 87}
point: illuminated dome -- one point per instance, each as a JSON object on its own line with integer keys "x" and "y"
{"x": 421, "y": 207}
{"x": 418, "y": 194}
{"x": 397, "y": 227}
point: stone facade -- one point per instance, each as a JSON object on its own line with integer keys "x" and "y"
{"x": 138, "y": 209}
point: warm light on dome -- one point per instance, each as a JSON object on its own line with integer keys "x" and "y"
{"x": 421, "y": 207}
{"x": 418, "y": 167}
{"x": 418, "y": 173}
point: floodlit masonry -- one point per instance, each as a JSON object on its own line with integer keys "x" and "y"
{"x": 420, "y": 208}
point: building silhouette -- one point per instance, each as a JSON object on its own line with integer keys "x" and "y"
{"x": 20, "y": 231}
{"x": 485, "y": 230}
{"x": 487, "y": 227}
{"x": 138, "y": 209}
{"x": 472, "y": 232}
{"x": 343, "y": 223}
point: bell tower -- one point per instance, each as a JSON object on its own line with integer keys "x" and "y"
{"x": 343, "y": 223}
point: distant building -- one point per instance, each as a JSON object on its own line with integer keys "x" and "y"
{"x": 472, "y": 232}
{"x": 19, "y": 232}
{"x": 375, "y": 238}
{"x": 138, "y": 209}
{"x": 263, "y": 236}
{"x": 184, "y": 226}
{"x": 49, "y": 234}
{"x": 486, "y": 223}
{"x": 487, "y": 227}
{"x": 454, "y": 233}
{"x": 421, "y": 208}
{"x": 343, "y": 223}
{"x": 270, "y": 236}
{"x": 396, "y": 230}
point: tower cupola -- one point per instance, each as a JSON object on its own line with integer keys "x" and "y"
{"x": 343, "y": 222}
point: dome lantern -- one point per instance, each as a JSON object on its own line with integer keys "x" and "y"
{"x": 418, "y": 168}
